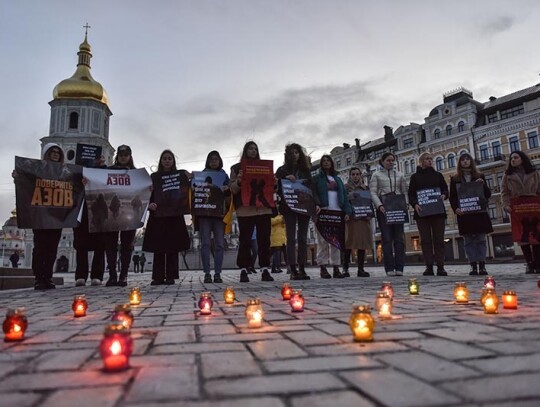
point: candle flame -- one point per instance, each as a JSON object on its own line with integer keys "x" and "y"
{"x": 361, "y": 324}
{"x": 17, "y": 328}
{"x": 489, "y": 302}
{"x": 116, "y": 347}
{"x": 80, "y": 307}
{"x": 256, "y": 316}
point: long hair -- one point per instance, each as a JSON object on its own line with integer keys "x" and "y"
{"x": 130, "y": 165}
{"x": 210, "y": 154}
{"x": 302, "y": 165}
{"x": 525, "y": 163}
{"x": 332, "y": 171}
{"x": 246, "y": 146}
{"x": 474, "y": 171}
{"x": 160, "y": 166}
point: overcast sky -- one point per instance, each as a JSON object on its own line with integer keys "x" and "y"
{"x": 199, "y": 75}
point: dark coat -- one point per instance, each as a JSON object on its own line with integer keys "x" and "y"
{"x": 473, "y": 223}
{"x": 281, "y": 173}
{"x": 422, "y": 179}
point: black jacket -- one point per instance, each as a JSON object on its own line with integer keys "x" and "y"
{"x": 473, "y": 223}
{"x": 426, "y": 178}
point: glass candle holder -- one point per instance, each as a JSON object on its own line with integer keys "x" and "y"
{"x": 79, "y": 306}
{"x": 509, "y": 299}
{"x": 206, "y": 303}
{"x": 489, "y": 282}
{"x": 15, "y": 324}
{"x": 414, "y": 287}
{"x": 383, "y": 304}
{"x": 135, "y": 296}
{"x": 229, "y": 295}
{"x": 362, "y": 323}
{"x": 297, "y": 301}
{"x": 254, "y": 313}
{"x": 286, "y": 291}
{"x": 490, "y": 301}
{"x": 461, "y": 293}
{"x": 122, "y": 314}
{"x": 116, "y": 347}
{"x": 387, "y": 287}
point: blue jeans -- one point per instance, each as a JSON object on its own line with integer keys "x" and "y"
{"x": 475, "y": 247}
{"x": 206, "y": 227}
{"x": 393, "y": 244}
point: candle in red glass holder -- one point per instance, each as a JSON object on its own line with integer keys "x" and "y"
{"x": 206, "y": 303}
{"x": 15, "y": 325}
{"x": 297, "y": 301}
{"x": 489, "y": 282}
{"x": 116, "y": 347}
{"x": 509, "y": 299}
{"x": 229, "y": 295}
{"x": 286, "y": 291}
{"x": 79, "y": 306}
{"x": 122, "y": 314}
{"x": 135, "y": 296}
{"x": 387, "y": 287}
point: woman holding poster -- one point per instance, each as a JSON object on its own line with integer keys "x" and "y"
{"x": 295, "y": 168}
{"x": 385, "y": 186}
{"x": 165, "y": 236}
{"x": 251, "y": 217}
{"x": 472, "y": 226}
{"x": 427, "y": 188}
{"x": 331, "y": 194}
{"x": 521, "y": 179}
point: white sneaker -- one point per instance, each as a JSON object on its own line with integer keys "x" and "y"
{"x": 96, "y": 281}
{"x": 80, "y": 282}
{"x": 399, "y": 273}
{"x": 390, "y": 273}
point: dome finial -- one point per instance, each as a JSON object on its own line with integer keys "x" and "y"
{"x": 86, "y": 27}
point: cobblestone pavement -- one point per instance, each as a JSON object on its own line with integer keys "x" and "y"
{"x": 432, "y": 353}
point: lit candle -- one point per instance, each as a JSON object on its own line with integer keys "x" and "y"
{"x": 116, "y": 347}
{"x": 461, "y": 293}
{"x": 387, "y": 287}
{"x": 135, "y": 296}
{"x": 361, "y": 323}
{"x": 491, "y": 301}
{"x": 254, "y": 313}
{"x": 509, "y": 299}
{"x": 414, "y": 287}
{"x": 122, "y": 314}
{"x": 229, "y": 295}
{"x": 383, "y": 304}
{"x": 286, "y": 291}
{"x": 15, "y": 325}
{"x": 79, "y": 306}
{"x": 489, "y": 282}
{"x": 206, "y": 303}
{"x": 297, "y": 301}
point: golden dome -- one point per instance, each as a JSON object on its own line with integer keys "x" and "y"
{"x": 81, "y": 85}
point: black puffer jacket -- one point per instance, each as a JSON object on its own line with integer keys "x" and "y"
{"x": 426, "y": 178}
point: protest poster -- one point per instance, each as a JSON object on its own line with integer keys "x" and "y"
{"x": 257, "y": 183}
{"x": 395, "y": 206}
{"x": 430, "y": 202}
{"x": 525, "y": 219}
{"x": 331, "y": 226}
{"x": 87, "y": 155}
{"x": 207, "y": 193}
{"x": 48, "y": 195}
{"x": 361, "y": 204}
{"x": 116, "y": 199}
{"x": 170, "y": 193}
{"x": 471, "y": 197}
{"x": 298, "y": 196}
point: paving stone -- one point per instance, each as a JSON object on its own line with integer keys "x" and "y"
{"x": 355, "y": 348}
{"x": 278, "y": 349}
{"x": 27, "y": 399}
{"x": 179, "y": 335}
{"x": 90, "y": 397}
{"x": 507, "y": 364}
{"x": 228, "y": 364}
{"x": 312, "y": 337}
{"x": 449, "y": 349}
{"x": 63, "y": 359}
{"x": 237, "y": 402}
{"x": 334, "y": 399}
{"x": 314, "y": 364}
{"x": 198, "y": 348}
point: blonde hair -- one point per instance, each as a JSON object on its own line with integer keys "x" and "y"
{"x": 423, "y": 156}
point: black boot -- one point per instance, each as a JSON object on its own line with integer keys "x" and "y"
{"x": 361, "y": 258}
{"x": 474, "y": 269}
{"x": 265, "y": 275}
{"x": 530, "y": 268}
{"x": 346, "y": 272}
{"x": 325, "y": 273}
{"x": 536, "y": 255}
{"x": 441, "y": 271}
{"x": 125, "y": 259}
{"x": 337, "y": 273}
{"x": 482, "y": 268}
{"x": 113, "y": 279}
{"x": 295, "y": 274}
{"x": 429, "y": 270}
{"x": 302, "y": 272}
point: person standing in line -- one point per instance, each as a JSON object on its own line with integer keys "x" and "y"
{"x": 331, "y": 194}
{"x": 522, "y": 179}
{"x": 384, "y": 183}
{"x": 136, "y": 258}
{"x": 214, "y": 226}
{"x": 431, "y": 228}
{"x": 249, "y": 218}
{"x": 473, "y": 226}
{"x": 358, "y": 234}
{"x": 295, "y": 167}
{"x": 14, "y": 259}
{"x": 165, "y": 236}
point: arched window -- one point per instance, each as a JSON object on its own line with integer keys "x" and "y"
{"x": 437, "y": 134}
{"x": 451, "y": 160}
{"x": 406, "y": 167}
{"x": 461, "y": 126}
{"x": 463, "y": 152}
{"x": 449, "y": 130}
{"x": 439, "y": 164}
{"x": 74, "y": 120}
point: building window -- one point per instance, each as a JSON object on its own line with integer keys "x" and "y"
{"x": 449, "y": 130}
{"x": 492, "y": 118}
{"x": 349, "y": 161}
{"x": 492, "y": 210}
{"x": 437, "y": 134}
{"x": 532, "y": 137}
{"x": 338, "y": 163}
{"x": 496, "y": 149}
{"x": 408, "y": 143}
{"x": 74, "y": 120}
{"x": 451, "y": 161}
{"x": 514, "y": 143}
{"x": 439, "y": 163}
{"x": 513, "y": 111}
{"x": 407, "y": 167}
{"x": 461, "y": 126}
{"x": 484, "y": 154}
{"x": 489, "y": 182}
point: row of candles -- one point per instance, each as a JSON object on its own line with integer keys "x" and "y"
{"x": 117, "y": 344}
